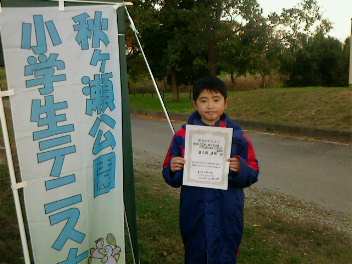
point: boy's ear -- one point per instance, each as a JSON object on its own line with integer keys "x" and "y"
{"x": 194, "y": 104}
{"x": 226, "y": 102}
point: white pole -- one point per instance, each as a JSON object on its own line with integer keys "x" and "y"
{"x": 14, "y": 185}
{"x": 62, "y": 5}
{"x": 150, "y": 71}
{"x": 129, "y": 236}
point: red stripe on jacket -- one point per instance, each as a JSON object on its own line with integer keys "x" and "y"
{"x": 180, "y": 133}
{"x": 252, "y": 159}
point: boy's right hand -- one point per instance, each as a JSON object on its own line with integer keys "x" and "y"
{"x": 177, "y": 163}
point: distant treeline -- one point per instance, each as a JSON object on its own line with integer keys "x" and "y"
{"x": 186, "y": 40}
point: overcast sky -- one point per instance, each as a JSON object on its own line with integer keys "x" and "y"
{"x": 338, "y": 11}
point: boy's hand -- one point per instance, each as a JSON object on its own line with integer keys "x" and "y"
{"x": 177, "y": 163}
{"x": 235, "y": 164}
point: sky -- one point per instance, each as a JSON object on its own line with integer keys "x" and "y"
{"x": 339, "y": 13}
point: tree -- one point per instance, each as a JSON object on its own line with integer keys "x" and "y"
{"x": 225, "y": 22}
{"x": 346, "y": 62}
{"x": 300, "y": 29}
{"x": 295, "y": 25}
{"x": 264, "y": 49}
{"x": 164, "y": 30}
{"x": 185, "y": 40}
{"x": 184, "y": 48}
{"x": 320, "y": 62}
{"x": 243, "y": 51}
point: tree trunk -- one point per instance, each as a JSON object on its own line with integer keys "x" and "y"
{"x": 233, "y": 81}
{"x": 164, "y": 86}
{"x": 263, "y": 81}
{"x": 175, "y": 93}
{"x": 212, "y": 58}
{"x": 212, "y": 54}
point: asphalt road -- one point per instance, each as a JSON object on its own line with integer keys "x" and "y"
{"x": 319, "y": 172}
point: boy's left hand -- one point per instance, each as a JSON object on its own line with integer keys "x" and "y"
{"x": 235, "y": 164}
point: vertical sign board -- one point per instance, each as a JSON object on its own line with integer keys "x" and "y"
{"x": 64, "y": 69}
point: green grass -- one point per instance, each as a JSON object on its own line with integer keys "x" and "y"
{"x": 10, "y": 244}
{"x": 268, "y": 238}
{"x": 3, "y": 84}
{"x": 152, "y": 102}
{"x": 319, "y": 107}
{"x": 2, "y": 73}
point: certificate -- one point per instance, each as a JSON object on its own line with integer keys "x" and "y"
{"x": 206, "y": 152}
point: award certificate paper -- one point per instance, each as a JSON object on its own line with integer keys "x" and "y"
{"x": 206, "y": 152}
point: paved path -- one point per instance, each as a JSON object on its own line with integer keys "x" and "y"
{"x": 319, "y": 172}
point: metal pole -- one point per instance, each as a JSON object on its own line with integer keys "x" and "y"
{"x": 151, "y": 74}
{"x": 13, "y": 177}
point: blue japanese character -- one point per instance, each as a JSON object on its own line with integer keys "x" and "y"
{"x": 104, "y": 174}
{"x": 109, "y": 137}
{"x": 41, "y": 38}
{"x": 72, "y": 216}
{"x": 108, "y": 92}
{"x": 84, "y": 34}
{"x": 101, "y": 91}
{"x": 44, "y": 62}
{"x": 98, "y": 56}
{"x": 59, "y": 182}
{"x": 44, "y": 68}
{"x": 73, "y": 258}
{"x": 97, "y": 26}
{"x": 54, "y": 142}
{"x": 91, "y": 29}
{"x": 59, "y": 156}
{"x": 57, "y": 205}
{"x": 45, "y": 115}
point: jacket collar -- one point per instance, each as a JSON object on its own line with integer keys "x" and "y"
{"x": 225, "y": 121}
{"x": 196, "y": 119}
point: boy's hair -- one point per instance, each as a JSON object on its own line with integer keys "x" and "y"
{"x": 210, "y": 83}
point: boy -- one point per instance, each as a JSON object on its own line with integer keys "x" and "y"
{"x": 211, "y": 220}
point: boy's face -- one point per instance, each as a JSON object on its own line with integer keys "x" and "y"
{"x": 210, "y": 105}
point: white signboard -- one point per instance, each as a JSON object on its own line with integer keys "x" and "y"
{"x": 206, "y": 152}
{"x": 63, "y": 67}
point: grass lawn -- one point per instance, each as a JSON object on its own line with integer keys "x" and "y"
{"x": 319, "y": 107}
{"x": 269, "y": 237}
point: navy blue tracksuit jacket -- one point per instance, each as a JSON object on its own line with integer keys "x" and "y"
{"x": 211, "y": 220}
